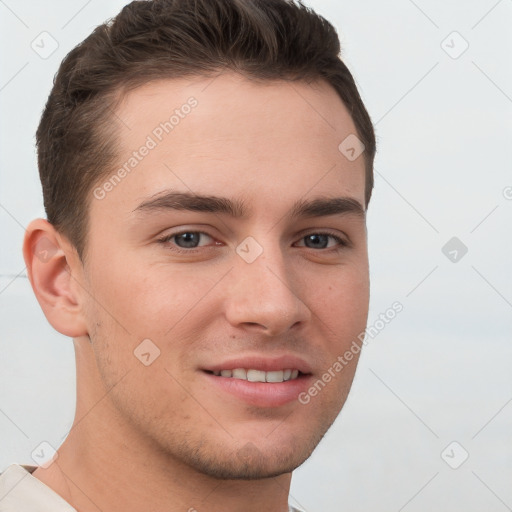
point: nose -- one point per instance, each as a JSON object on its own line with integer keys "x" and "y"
{"x": 265, "y": 295}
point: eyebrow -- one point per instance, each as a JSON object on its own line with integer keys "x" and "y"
{"x": 236, "y": 208}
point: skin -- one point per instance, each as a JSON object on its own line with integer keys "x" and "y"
{"x": 161, "y": 434}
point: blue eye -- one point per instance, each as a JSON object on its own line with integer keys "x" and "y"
{"x": 189, "y": 239}
{"x": 319, "y": 240}
{"x": 188, "y": 242}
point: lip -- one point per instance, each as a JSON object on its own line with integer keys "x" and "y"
{"x": 261, "y": 394}
{"x": 265, "y": 364}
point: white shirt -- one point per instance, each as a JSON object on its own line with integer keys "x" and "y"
{"x": 22, "y": 492}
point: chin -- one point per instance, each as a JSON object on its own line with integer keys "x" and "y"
{"x": 248, "y": 464}
{"x": 252, "y": 460}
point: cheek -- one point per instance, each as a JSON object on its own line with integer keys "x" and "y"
{"x": 341, "y": 300}
{"x": 149, "y": 300}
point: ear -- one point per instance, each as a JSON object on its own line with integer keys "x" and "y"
{"x": 55, "y": 273}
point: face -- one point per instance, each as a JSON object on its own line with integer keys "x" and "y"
{"x": 221, "y": 312}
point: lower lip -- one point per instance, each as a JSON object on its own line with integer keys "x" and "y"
{"x": 262, "y": 394}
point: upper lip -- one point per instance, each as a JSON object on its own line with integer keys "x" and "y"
{"x": 267, "y": 364}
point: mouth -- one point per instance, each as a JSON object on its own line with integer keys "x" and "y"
{"x": 259, "y": 381}
{"x": 253, "y": 375}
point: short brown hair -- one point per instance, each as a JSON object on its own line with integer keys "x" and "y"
{"x": 158, "y": 39}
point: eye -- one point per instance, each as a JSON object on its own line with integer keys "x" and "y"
{"x": 186, "y": 241}
{"x": 321, "y": 241}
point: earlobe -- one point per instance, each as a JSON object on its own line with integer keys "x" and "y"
{"x": 53, "y": 268}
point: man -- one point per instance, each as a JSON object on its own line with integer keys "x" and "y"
{"x": 206, "y": 169}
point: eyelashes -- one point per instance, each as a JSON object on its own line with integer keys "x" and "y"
{"x": 314, "y": 235}
{"x": 339, "y": 240}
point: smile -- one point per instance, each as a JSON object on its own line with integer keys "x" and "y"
{"x": 252, "y": 375}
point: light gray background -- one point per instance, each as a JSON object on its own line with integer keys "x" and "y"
{"x": 440, "y": 371}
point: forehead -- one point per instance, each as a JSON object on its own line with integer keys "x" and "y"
{"x": 272, "y": 141}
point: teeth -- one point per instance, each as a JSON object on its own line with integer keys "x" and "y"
{"x": 255, "y": 376}
{"x": 275, "y": 376}
{"x": 240, "y": 373}
{"x": 259, "y": 375}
